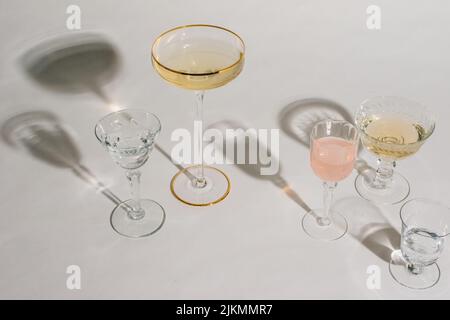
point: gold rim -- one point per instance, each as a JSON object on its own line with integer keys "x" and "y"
{"x": 195, "y": 26}
{"x": 172, "y": 189}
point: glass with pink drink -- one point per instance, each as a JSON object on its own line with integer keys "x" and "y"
{"x": 333, "y": 146}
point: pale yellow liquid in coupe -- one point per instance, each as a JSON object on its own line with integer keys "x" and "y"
{"x": 392, "y": 137}
{"x": 202, "y": 65}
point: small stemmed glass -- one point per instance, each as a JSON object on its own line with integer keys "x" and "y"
{"x": 333, "y": 146}
{"x": 392, "y": 128}
{"x": 129, "y": 137}
{"x": 425, "y": 225}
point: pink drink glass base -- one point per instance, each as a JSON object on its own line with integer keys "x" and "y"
{"x": 334, "y": 231}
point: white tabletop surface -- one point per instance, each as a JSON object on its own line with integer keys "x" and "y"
{"x": 250, "y": 246}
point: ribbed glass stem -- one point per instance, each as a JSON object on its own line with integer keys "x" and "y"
{"x": 384, "y": 173}
{"x": 134, "y": 178}
{"x": 328, "y": 194}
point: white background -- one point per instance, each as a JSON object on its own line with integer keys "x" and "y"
{"x": 251, "y": 246}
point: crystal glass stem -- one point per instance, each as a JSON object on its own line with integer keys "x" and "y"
{"x": 328, "y": 193}
{"x": 134, "y": 178}
{"x": 384, "y": 174}
{"x": 415, "y": 269}
{"x": 199, "y": 181}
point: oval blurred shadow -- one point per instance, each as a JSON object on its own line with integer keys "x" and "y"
{"x": 42, "y": 135}
{"x": 73, "y": 63}
{"x": 45, "y": 138}
{"x": 369, "y": 226}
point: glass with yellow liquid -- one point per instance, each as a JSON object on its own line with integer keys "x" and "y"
{"x": 199, "y": 58}
{"x": 392, "y": 128}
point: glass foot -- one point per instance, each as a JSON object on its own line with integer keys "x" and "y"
{"x": 151, "y": 222}
{"x": 333, "y": 229}
{"x": 397, "y": 191}
{"x": 427, "y": 279}
{"x": 216, "y": 188}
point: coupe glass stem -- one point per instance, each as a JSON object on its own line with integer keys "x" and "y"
{"x": 328, "y": 193}
{"x": 134, "y": 177}
{"x": 384, "y": 173}
{"x": 199, "y": 181}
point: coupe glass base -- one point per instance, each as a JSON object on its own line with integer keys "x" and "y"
{"x": 334, "y": 231}
{"x": 427, "y": 279}
{"x": 152, "y": 221}
{"x": 217, "y": 187}
{"x": 396, "y": 193}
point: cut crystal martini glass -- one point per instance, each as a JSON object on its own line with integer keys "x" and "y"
{"x": 129, "y": 137}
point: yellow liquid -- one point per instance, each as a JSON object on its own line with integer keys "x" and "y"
{"x": 392, "y": 137}
{"x": 200, "y": 66}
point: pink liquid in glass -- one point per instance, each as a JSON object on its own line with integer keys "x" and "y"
{"x": 332, "y": 159}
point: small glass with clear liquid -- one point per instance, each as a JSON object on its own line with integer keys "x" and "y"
{"x": 129, "y": 137}
{"x": 425, "y": 224}
{"x": 420, "y": 248}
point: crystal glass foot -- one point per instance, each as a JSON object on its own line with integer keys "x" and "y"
{"x": 129, "y": 137}
{"x": 392, "y": 128}
{"x": 199, "y": 58}
{"x": 333, "y": 228}
{"x": 333, "y": 150}
{"x": 216, "y": 186}
{"x": 397, "y": 191}
{"x": 425, "y": 225}
{"x": 124, "y": 223}
{"x": 401, "y": 271}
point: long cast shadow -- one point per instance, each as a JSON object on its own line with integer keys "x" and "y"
{"x": 369, "y": 226}
{"x": 44, "y": 137}
{"x": 254, "y": 170}
{"x": 76, "y": 63}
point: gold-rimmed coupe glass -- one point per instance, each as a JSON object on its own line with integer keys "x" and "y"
{"x": 199, "y": 57}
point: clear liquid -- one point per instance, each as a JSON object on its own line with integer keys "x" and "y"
{"x": 131, "y": 147}
{"x": 420, "y": 246}
{"x": 392, "y": 137}
{"x": 201, "y": 65}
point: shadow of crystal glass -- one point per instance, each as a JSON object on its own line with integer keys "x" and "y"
{"x": 73, "y": 63}
{"x": 298, "y": 118}
{"x": 369, "y": 226}
{"x": 254, "y": 170}
{"x": 42, "y": 136}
